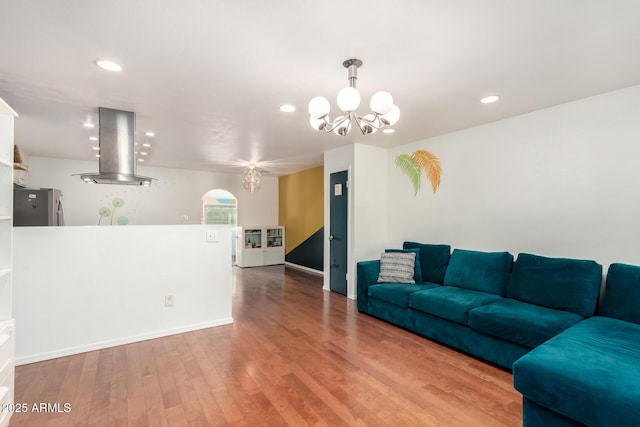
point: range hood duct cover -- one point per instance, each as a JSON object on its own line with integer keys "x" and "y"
{"x": 117, "y": 150}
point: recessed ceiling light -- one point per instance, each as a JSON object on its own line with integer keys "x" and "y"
{"x": 388, "y": 131}
{"x": 96, "y": 148}
{"x": 141, "y": 160}
{"x": 146, "y": 144}
{"x": 93, "y": 138}
{"x": 287, "y": 108}
{"x": 489, "y": 99}
{"x": 98, "y": 155}
{"x": 108, "y": 65}
{"x": 88, "y": 125}
{"x": 144, "y": 153}
{"x": 150, "y": 134}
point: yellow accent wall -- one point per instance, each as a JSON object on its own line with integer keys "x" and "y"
{"x": 301, "y": 205}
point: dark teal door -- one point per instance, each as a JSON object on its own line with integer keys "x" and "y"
{"x": 338, "y": 208}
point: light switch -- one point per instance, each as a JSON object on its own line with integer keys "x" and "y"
{"x": 212, "y": 235}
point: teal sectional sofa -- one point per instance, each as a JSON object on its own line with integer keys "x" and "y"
{"x": 484, "y": 303}
{"x": 590, "y": 373}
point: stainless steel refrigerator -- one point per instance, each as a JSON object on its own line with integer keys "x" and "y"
{"x": 37, "y": 206}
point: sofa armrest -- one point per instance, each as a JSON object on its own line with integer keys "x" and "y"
{"x": 368, "y": 272}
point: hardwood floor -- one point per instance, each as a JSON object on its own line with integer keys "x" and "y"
{"x": 296, "y": 355}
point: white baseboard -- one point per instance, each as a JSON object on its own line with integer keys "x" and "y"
{"x": 23, "y": 360}
{"x": 303, "y": 268}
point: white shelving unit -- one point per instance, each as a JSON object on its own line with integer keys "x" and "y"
{"x": 260, "y": 245}
{"x": 7, "y": 328}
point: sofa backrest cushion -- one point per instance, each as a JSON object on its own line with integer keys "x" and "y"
{"x": 433, "y": 260}
{"x": 479, "y": 271}
{"x": 561, "y": 283}
{"x": 622, "y": 293}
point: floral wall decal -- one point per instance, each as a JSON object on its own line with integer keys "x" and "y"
{"x": 420, "y": 161}
{"x": 117, "y": 203}
{"x": 105, "y": 212}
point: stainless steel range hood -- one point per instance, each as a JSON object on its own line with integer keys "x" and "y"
{"x": 117, "y": 150}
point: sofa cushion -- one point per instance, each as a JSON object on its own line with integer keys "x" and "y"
{"x": 479, "y": 271}
{"x": 417, "y": 268}
{"x": 622, "y": 294}
{"x": 397, "y": 294}
{"x": 433, "y": 260}
{"x": 590, "y": 373}
{"x": 397, "y": 267}
{"x": 450, "y": 303}
{"x": 519, "y": 322}
{"x": 561, "y": 283}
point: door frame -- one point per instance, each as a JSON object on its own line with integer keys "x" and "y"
{"x": 351, "y": 273}
{"x": 339, "y": 236}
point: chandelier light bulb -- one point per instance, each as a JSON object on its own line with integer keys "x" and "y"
{"x": 392, "y": 116}
{"x": 348, "y": 99}
{"x": 381, "y": 102}
{"x": 317, "y": 124}
{"x": 319, "y": 107}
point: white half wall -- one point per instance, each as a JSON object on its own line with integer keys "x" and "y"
{"x": 79, "y": 289}
{"x": 173, "y": 198}
{"x": 564, "y": 181}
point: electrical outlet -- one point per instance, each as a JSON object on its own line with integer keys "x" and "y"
{"x": 168, "y": 300}
{"x": 212, "y": 235}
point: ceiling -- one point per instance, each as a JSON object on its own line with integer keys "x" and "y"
{"x": 208, "y": 76}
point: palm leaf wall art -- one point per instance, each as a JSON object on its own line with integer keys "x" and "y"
{"x": 409, "y": 167}
{"x": 430, "y": 164}
{"x": 420, "y": 161}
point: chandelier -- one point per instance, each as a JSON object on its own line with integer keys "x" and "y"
{"x": 384, "y": 112}
{"x": 251, "y": 179}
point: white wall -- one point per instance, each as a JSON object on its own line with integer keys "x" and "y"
{"x": 370, "y": 201}
{"x": 78, "y": 289}
{"x": 564, "y": 181}
{"x": 173, "y": 198}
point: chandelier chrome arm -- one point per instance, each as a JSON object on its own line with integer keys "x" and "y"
{"x": 366, "y": 128}
{"x": 330, "y": 126}
{"x": 365, "y": 125}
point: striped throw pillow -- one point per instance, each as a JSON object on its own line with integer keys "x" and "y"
{"x": 397, "y": 267}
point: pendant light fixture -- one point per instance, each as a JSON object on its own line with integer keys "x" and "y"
{"x": 251, "y": 179}
{"x": 383, "y": 111}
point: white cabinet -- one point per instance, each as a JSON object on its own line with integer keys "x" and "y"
{"x": 260, "y": 246}
{"x": 249, "y": 252}
{"x": 7, "y": 353}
